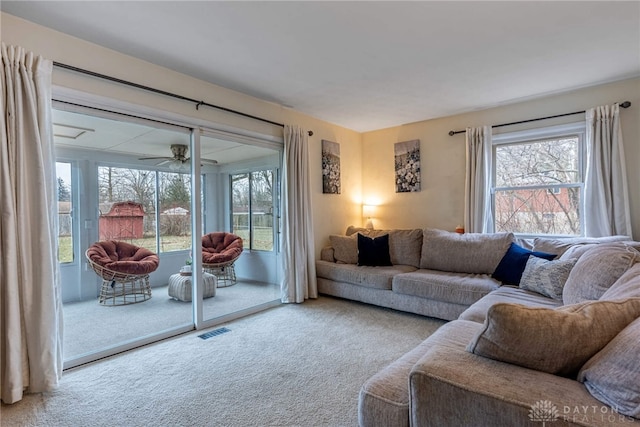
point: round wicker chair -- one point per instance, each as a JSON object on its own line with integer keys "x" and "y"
{"x": 219, "y": 252}
{"x": 124, "y": 269}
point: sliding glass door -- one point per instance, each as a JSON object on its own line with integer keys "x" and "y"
{"x": 118, "y": 183}
{"x": 126, "y": 182}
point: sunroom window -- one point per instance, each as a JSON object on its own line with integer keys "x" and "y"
{"x": 252, "y": 197}
{"x": 128, "y": 208}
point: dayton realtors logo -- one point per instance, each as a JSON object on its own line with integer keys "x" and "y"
{"x": 543, "y": 411}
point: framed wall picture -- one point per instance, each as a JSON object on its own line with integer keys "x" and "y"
{"x": 330, "y": 167}
{"x": 407, "y": 163}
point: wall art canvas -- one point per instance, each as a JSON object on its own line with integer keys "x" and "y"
{"x": 330, "y": 167}
{"x": 407, "y": 159}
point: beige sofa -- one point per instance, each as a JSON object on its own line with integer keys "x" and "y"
{"x": 502, "y": 361}
{"x": 434, "y": 273}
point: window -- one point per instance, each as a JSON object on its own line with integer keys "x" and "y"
{"x": 252, "y": 209}
{"x": 538, "y": 181}
{"x": 128, "y": 208}
{"x": 175, "y": 211}
{"x": 65, "y": 210}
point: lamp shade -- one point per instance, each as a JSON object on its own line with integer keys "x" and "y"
{"x": 368, "y": 211}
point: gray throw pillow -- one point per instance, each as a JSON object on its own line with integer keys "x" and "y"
{"x": 345, "y": 248}
{"x": 627, "y": 286}
{"x": 557, "y": 341}
{"x": 597, "y": 270}
{"x": 546, "y": 277}
{"x": 613, "y": 375}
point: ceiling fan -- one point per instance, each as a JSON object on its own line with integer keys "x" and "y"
{"x": 179, "y": 158}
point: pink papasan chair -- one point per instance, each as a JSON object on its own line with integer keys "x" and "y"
{"x": 220, "y": 250}
{"x": 124, "y": 269}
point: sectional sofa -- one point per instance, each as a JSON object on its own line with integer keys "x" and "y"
{"x": 542, "y": 330}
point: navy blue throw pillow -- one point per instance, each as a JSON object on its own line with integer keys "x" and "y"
{"x": 509, "y": 270}
{"x": 373, "y": 251}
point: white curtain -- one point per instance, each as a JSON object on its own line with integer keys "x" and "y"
{"x": 299, "y": 276}
{"x": 607, "y": 210}
{"x": 477, "y": 196}
{"x": 30, "y": 297}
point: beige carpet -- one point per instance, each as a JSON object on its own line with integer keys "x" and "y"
{"x": 293, "y": 365}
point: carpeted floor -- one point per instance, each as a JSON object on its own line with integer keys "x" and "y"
{"x": 293, "y": 365}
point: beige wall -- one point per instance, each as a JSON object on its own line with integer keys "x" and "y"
{"x": 440, "y": 203}
{"x": 366, "y": 159}
{"x": 332, "y": 213}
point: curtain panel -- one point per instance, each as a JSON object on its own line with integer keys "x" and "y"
{"x": 298, "y": 250}
{"x": 477, "y": 196}
{"x": 607, "y": 211}
{"x": 30, "y": 297}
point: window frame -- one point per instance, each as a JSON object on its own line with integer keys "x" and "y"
{"x": 275, "y": 202}
{"x": 575, "y": 129}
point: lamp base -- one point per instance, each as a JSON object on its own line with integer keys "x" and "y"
{"x": 369, "y": 224}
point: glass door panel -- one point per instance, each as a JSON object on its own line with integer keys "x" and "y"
{"x": 129, "y": 189}
{"x": 242, "y": 198}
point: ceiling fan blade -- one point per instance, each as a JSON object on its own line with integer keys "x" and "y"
{"x": 203, "y": 161}
{"x": 165, "y": 161}
{"x": 155, "y": 158}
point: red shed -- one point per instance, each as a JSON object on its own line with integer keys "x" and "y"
{"x": 123, "y": 221}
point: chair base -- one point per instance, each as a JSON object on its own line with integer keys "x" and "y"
{"x": 226, "y": 273}
{"x": 123, "y": 292}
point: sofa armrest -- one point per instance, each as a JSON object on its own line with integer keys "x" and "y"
{"x": 450, "y": 387}
{"x": 326, "y": 254}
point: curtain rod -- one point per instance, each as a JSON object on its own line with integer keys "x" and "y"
{"x": 165, "y": 93}
{"x": 625, "y": 104}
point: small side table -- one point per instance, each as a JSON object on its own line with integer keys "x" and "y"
{"x": 180, "y": 286}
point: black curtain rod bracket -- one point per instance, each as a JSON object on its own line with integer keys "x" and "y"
{"x": 625, "y": 104}
{"x": 165, "y": 93}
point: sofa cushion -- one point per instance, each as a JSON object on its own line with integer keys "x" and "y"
{"x": 478, "y": 311}
{"x": 546, "y": 277}
{"x": 613, "y": 375}
{"x": 560, "y": 246}
{"x": 345, "y": 248}
{"x": 509, "y": 270}
{"x": 577, "y": 251}
{"x": 597, "y": 270}
{"x": 458, "y": 288}
{"x": 373, "y": 251}
{"x": 371, "y": 277}
{"x": 558, "y": 341}
{"x": 627, "y": 286}
{"x": 463, "y": 253}
{"x": 405, "y": 246}
{"x": 327, "y": 254}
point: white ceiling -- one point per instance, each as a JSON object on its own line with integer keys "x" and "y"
{"x": 367, "y": 65}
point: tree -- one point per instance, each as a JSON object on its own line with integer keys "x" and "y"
{"x": 175, "y": 190}
{"x": 64, "y": 194}
{"x": 529, "y": 197}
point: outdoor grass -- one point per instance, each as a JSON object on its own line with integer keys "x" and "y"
{"x": 262, "y": 239}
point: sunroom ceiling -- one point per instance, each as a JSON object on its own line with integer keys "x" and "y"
{"x": 81, "y": 131}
